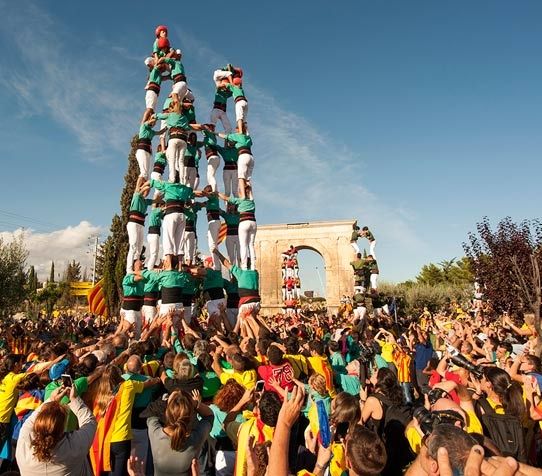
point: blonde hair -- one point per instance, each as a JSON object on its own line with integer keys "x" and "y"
{"x": 318, "y": 383}
{"x": 106, "y": 390}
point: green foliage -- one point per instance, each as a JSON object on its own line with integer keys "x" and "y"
{"x": 72, "y": 274}
{"x": 52, "y": 273}
{"x": 13, "y": 278}
{"x": 49, "y": 296}
{"x": 111, "y": 260}
{"x": 446, "y": 272}
{"x": 413, "y": 297}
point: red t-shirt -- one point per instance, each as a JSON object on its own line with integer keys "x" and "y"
{"x": 283, "y": 374}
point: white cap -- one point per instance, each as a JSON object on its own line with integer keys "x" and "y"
{"x": 149, "y": 61}
{"x": 179, "y": 52}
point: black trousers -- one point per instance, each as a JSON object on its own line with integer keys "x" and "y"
{"x": 120, "y": 454}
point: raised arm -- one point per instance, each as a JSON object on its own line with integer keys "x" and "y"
{"x": 225, "y": 262}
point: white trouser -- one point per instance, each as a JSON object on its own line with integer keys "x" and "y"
{"x": 284, "y": 294}
{"x": 230, "y": 182}
{"x": 245, "y": 166}
{"x": 144, "y": 160}
{"x": 248, "y": 309}
{"x": 153, "y": 239}
{"x": 189, "y": 177}
{"x": 196, "y": 182}
{"x": 220, "y": 115}
{"x": 180, "y": 89}
{"x": 163, "y": 126}
{"x": 133, "y": 317}
{"x": 175, "y": 307}
{"x": 174, "y": 154}
{"x": 172, "y": 230}
{"x": 231, "y": 315}
{"x": 247, "y": 236}
{"x": 359, "y": 289}
{"x": 232, "y": 246}
{"x": 241, "y": 110}
{"x": 148, "y": 313}
{"x": 360, "y": 312}
{"x": 213, "y": 306}
{"x": 289, "y": 293}
{"x": 188, "y": 313}
{"x": 151, "y": 98}
{"x": 212, "y": 240}
{"x": 374, "y": 281}
{"x": 213, "y": 162}
{"x": 156, "y": 176}
{"x": 354, "y": 245}
{"x": 289, "y": 272}
{"x": 296, "y": 272}
{"x": 372, "y": 245}
{"x": 189, "y": 246}
{"x": 136, "y": 235}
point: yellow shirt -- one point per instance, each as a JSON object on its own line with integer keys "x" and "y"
{"x": 299, "y": 364}
{"x": 122, "y": 426}
{"x": 387, "y": 350}
{"x": 320, "y": 364}
{"x": 247, "y": 379}
{"x": 9, "y": 395}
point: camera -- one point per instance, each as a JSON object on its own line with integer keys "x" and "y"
{"x": 367, "y": 352}
{"x": 461, "y": 361}
{"x": 429, "y": 420}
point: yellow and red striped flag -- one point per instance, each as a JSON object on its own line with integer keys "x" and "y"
{"x": 222, "y": 232}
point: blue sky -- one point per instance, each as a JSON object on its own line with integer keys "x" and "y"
{"x": 417, "y": 118}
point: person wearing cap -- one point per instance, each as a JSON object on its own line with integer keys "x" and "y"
{"x": 189, "y": 240}
{"x": 178, "y": 126}
{"x": 231, "y": 217}
{"x": 175, "y": 196}
{"x": 191, "y": 154}
{"x": 178, "y": 75}
{"x": 354, "y": 239}
{"x": 136, "y": 224}
{"x": 160, "y": 47}
{"x": 211, "y": 153}
{"x": 365, "y": 232}
{"x": 229, "y": 174}
{"x": 247, "y": 225}
{"x": 153, "y": 233}
{"x": 240, "y": 100}
{"x": 248, "y": 284}
{"x": 218, "y": 113}
{"x": 245, "y": 161}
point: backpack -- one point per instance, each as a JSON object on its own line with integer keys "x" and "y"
{"x": 505, "y": 431}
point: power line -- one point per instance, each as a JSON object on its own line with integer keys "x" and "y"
{"x": 29, "y": 219}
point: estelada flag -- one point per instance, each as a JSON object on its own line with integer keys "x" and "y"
{"x": 222, "y": 232}
{"x": 96, "y": 299}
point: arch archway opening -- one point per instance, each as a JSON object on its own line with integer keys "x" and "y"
{"x": 312, "y": 272}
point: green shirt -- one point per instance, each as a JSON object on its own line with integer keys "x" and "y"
{"x": 237, "y": 91}
{"x": 174, "y": 119}
{"x": 231, "y": 287}
{"x": 131, "y": 287}
{"x": 229, "y": 154}
{"x": 373, "y": 266}
{"x": 156, "y": 217}
{"x": 177, "y": 66}
{"x": 160, "y": 158}
{"x": 167, "y": 103}
{"x": 369, "y": 236}
{"x": 209, "y": 139}
{"x": 191, "y": 150}
{"x": 190, "y": 115}
{"x": 242, "y": 141}
{"x": 191, "y": 213}
{"x": 246, "y": 278}
{"x": 222, "y": 95}
{"x": 355, "y": 236}
{"x": 243, "y": 204}
{"x": 155, "y": 76}
{"x": 157, "y": 50}
{"x": 230, "y": 218}
{"x": 173, "y": 191}
{"x": 213, "y": 279}
{"x": 358, "y": 264}
{"x": 152, "y": 281}
{"x": 139, "y": 203}
{"x": 359, "y": 299}
{"x": 190, "y": 284}
{"x": 81, "y": 386}
{"x": 146, "y": 131}
{"x": 212, "y": 203}
{"x": 171, "y": 278}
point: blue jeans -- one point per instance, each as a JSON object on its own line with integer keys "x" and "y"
{"x": 407, "y": 391}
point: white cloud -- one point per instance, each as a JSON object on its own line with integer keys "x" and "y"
{"x": 82, "y": 92}
{"x": 60, "y": 246}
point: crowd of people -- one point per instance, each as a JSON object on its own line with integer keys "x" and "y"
{"x": 192, "y": 380}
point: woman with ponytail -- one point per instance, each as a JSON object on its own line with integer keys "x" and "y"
{"x": 45, "y": 448}
{"x": 503, "y": 394}
{"x": 176, "y": 444}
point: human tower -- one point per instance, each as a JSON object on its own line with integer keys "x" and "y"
{"x": 168, "y": 284}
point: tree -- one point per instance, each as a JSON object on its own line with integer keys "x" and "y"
{"x": 49, "y": 296}
{"x": 115, "y": 248}
{"x": 52, "y": 273}
{"x": 507, "y": 263}
{"x": 446, "y": 272}
{"x": 13, "y": 292}
{"x": 72, "y": 274}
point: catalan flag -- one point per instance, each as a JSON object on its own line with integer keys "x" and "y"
{"x": 222, "y": 232}
{"x": 96, "y": 300}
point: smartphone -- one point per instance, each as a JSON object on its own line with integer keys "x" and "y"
{"x": 66, "y": 380}
{"x": 259, "y": 386}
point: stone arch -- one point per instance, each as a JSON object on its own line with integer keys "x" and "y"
{"x": 331, "y": 240}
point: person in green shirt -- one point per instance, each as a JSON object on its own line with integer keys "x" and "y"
{"x": 211, "y": 153}
{"x": 144, "y": 147}
{"x": 151, "y": 295}
{"x": 231, "y": 217}
{"x": 245, "y": 161}
{"x": 213, "y": 290}
{"x": 370, "y": 238}
{"x": 136, "y": 224}
{"x": 153, "y": 234}
{"x": 160, "y": 162}
{"x": 133, "y": 290}
{"x": 360, "y": 310}
{"x": 247, "y": 225}
{"x": 213, "y": 220}
{"x": 188, "y": 245}
{"x": 360, "y": 266}
{"x": 354, "y": 239}
{"x": 240, "y": 100}
{"x": 218, "y": 113}
{"x": 171, "y": 283}
{"x": 229, "y": 174}
{"x": 192, "y": 152}
{"x": 190, "y": 289}
{"x": 152, "y": 89}
{"x": 373, "y": 267}
{"x": 178, "y": 75}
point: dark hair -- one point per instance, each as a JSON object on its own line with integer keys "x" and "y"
{"x": 507, "y": 346}
{"x": 269, "y": 408}
{"x": 333, "y": 345}
{"x": 275, "y": 355}
{"x": 365, "y": 451}
{"x": 509, "y": 392}
{"x": 8, "y": 364}
{"x": 388, "y": 385}
{"x": 262, "y": 345}
{"x": 457, "y": 442}
{"x": 316, "y": 346}
{"x": 346, "y": 412}
{"x": 535, "y": 362}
